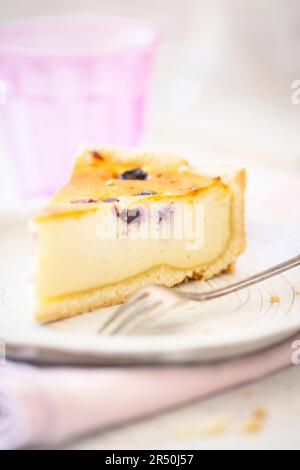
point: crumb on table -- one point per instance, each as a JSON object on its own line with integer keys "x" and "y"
{"x": 216, "y": 426}
{"x": 257, "y": 420}
{"x": 252, "y": 426}
{"x": 260, "y": 413}
{"x": 184, "y": 432}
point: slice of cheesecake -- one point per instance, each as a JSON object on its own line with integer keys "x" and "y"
{"x": 130, "y": 218}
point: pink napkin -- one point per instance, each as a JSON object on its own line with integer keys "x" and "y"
{"x": 45, "y": 406}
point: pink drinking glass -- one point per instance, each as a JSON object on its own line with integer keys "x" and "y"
{"x": 71, "y": 81}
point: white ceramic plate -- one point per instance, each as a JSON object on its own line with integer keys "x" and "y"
{"x": 237, "y": 324}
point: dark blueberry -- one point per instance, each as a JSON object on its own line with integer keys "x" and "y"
{"x": 96, "y": 155}
{"x": 134, "y": 174}
{"x": 130, "y": 215}
{"x": 86, "y": 200}
{"x": 146, "y": 192}
{"x": 111, "y": 199}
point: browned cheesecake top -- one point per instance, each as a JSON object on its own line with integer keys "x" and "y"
{"x": 103, "y": 175}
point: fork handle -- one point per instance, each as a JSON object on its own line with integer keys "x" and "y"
{"x": 250, "y": 281}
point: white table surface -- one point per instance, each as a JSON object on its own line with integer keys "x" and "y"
{"x": 278, "y": 394}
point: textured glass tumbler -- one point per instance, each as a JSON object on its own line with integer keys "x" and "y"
{"x": 66, "y": 82}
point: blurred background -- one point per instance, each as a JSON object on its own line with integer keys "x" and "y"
{"x": 222, "y": 81}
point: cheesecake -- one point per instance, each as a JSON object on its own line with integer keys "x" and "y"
{"x": 131, "y": 218}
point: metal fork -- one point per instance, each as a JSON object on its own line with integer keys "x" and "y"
{"x": 157, "y": 300}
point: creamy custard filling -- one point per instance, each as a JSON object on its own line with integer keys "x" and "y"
{"x": 74, "y": 257}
